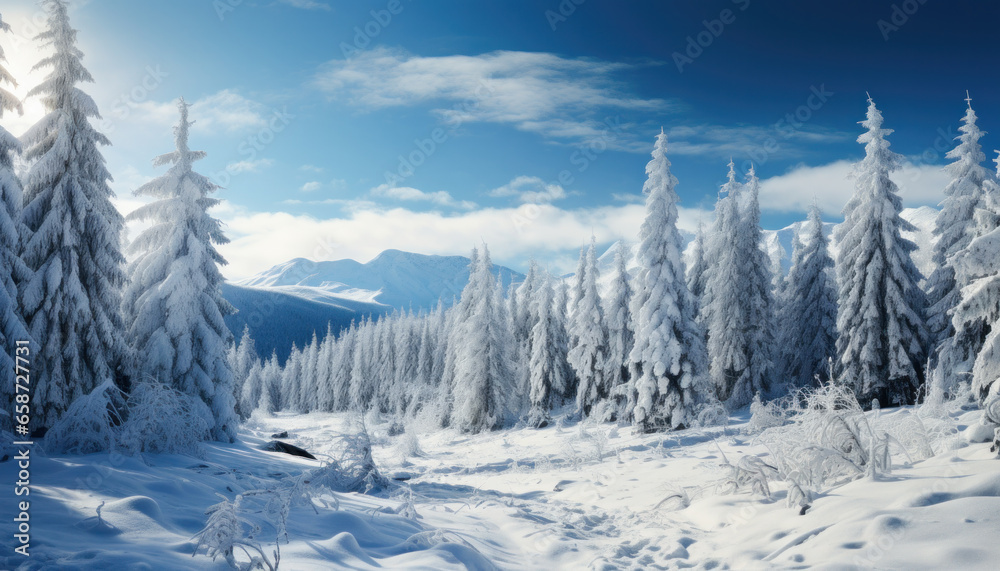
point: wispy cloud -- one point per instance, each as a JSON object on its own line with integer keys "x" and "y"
{"x": 225, "y": 110}
{"x": 249, "y": 166}
{"x": 311, "y": 186}
{"x": 554, "y": 96}
{"x": 307, "y": 4}
{"x": 749, "y": 142}
{"x": 530, "y": 189}
{"x": 409, "y": 194}
{"x": 627, "y": 197}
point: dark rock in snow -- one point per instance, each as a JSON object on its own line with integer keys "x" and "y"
{"x": 278, "y": 446}
{"x": 282, "y": 434}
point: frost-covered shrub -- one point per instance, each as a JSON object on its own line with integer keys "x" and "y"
{"x": 830, "y": 440}
{"x": 712, "y": 413}
{"x": 228, "y": 530}
{"x": 162, "y": 419}
{"x": 91, "y": 424}
{"x": 355, "y": 469}
{"x": 750, "y": 473}
{"x": 408, "y": 445}
{"x": 764, "y": 415}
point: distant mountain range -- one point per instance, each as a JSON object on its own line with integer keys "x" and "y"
{"x": 290, "y": 301}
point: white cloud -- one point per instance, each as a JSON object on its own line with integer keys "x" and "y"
{"x": 307, "y": 4}
{"x": 831, "y": 187}
{"x": 248, "y": 166}
{"x": 538, "y": 92}
{"x": 530, "y": 189}
{"x": 311, "y": 168}
{"x": 753, "y": 143}
{"x": 544, "y": 232}
{"x": 311, "y": 186}
{"x": 628, "y": 197}
{"x": 225, "y": 110}
{"x": 406, "y": 193}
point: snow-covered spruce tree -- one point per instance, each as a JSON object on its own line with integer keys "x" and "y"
{"x": 458, "y": 317}
{"x": 975, "y": 346}
{"x": 173, "y": 304}
{"x": 808, "y": 323}
{"x": 756, "y": 291}
{"x": 362, "y": 392}
{"x": 385, "y": 364}
{"x": 955, "y": 228}
{"x": 560, "y": 341}
{"x": 576, "y": 294}
{"x": 324, "y": 369}
{"x": 483, "y": 356}
{"x": 737, "y": 303}
{"x": 72, "y": 300}
{"x": 241, "y": 358}
{"x": 291, "y": 377}
{"x": 249, "y": 398}
{"x": 668, "y": 361}
{"x": 270, "y": 396}
{"x": 621, "y": 338}
{"x": 527, "y": 313}
{"x": 13, "y": 269}
{"x": 523, "y": 316}
{"x": 776, "y": 256}
{"x": 589, "y": 353}
{"x": 406, "y": 346}
{"x": 698, "y": 274}
{"x": 549, "y": 370}
{"x": 310, "y": 362}
{"x": 336, "y": 397}
{"x": 881, "y": 331}
{"x": 721, "y": 312}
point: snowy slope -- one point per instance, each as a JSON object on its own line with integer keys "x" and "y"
{"x": 401, "y": 280}
{"x": 570, "y": 496}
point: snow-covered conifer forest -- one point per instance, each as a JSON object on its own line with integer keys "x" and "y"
{"x": 702, "y": 400}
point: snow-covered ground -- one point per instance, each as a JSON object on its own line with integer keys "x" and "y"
{"x": 569, "y": 496}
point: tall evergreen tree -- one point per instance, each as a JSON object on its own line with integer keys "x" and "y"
{"x": 881, "y": 330}
{"x": 756, "y": 299}
{"x": 548, "y": 367}
{"x": 560, "y": 342}
{"x": 241, "y": 358}
{"x": 621, "y": 337}
{"x": 737, "y": 302}
{"x": 975, "y": 347}
{"x": 173, "y": 304}
{"x": 483, "y": 373}
{"x": 13, "y": 270}
{"x": 291, "y": 378}
{"x": 955, "y": 228}
{"x": 588, "y": 355}
{"x": 668, "y": 361}
{"x": 72, "y": 300}
{"x": 250, "y": 397}
{"x": 698, "y": 274}
{"x": 808, "y": 321}
{"x": 270, "y": 396}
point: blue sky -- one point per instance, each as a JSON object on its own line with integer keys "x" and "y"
{"x": 524, "y": 124}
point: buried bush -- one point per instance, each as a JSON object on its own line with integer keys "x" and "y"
{"x": 91, "y": 424}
